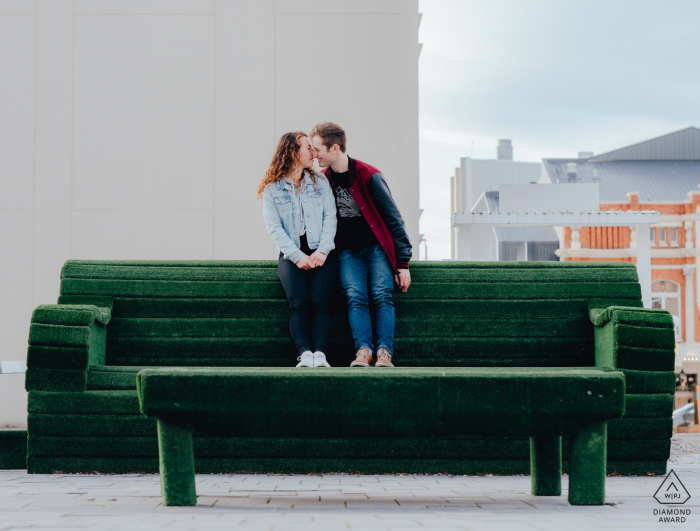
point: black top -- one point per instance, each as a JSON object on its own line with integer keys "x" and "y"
{"x": 353, "y": 229}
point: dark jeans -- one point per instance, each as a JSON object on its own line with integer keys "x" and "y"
{"x": 309, "y": 295}
{"x": 358, "y": 270}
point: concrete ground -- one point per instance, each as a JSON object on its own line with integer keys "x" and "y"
{"x": 276, "y": 503}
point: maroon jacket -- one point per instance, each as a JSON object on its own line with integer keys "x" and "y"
{"x": 371, "y": 193}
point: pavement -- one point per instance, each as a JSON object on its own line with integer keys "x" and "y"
{"x": 341, "y": 501}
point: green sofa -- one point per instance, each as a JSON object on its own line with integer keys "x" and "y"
{"x": 114, "y": 319}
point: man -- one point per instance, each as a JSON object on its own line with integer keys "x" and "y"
{"x": 372, "y": 243}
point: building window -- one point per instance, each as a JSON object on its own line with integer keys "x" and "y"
{"x": 662, "y": 236}
{"x": 652, "y": 235}
{"x": 674, "y": 236}
{"x": 666, "y": 295}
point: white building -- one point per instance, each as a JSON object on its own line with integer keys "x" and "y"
{"x": 474, "y": 178}
{"x": 138, "y": 129}
{"x": 510, "y": 244}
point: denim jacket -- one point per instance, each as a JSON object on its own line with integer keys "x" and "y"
{"x": 282, "y": 217}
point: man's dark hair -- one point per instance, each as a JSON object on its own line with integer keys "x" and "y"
{"x": 330, "y": 134}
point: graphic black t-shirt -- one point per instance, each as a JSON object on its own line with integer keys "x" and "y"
{"x": 353, "y": 229}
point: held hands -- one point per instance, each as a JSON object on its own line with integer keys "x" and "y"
{"x": 317, "y": 259}
{"x": 305, "y": 263}
{"x": 403, "y": 279}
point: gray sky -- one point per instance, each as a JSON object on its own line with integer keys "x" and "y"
{"x": 555, "y": 76}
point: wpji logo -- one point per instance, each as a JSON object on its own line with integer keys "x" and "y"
{"x": 672, "y": 491}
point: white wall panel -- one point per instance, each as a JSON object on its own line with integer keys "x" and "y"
{"x": 340, "y": 6}
{"x": 54, "y": 104}
{"x": 143, "y": 7}
{"x": 15, "y": 283}
{"x": 368, "y": 100}
{"x": 365, "y": 100}
{"x": 15, "y": 310}
{"x": 52, "y": 236}
{"x": 143, "y": 112}
{"x": 13, "y": 397}
{"x": 407, "y": 189}
{"x": 172, "y": 235}
{"x": 17, "y": 53}
{"x": 17, "y": 7}
{"x": 54, "y": 145}
{"x": 245, "y": 136}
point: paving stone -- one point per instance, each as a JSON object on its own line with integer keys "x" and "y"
{"x": 275, "y": 503}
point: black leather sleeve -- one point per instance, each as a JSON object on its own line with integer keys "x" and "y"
{"x": 381, "y": 195}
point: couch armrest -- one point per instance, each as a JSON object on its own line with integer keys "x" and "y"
{"x": 64, "y": 341}
{"x": 71, "y": 314}
{"x": 633, "y": 338}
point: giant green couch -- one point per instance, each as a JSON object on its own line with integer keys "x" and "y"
{"x": 115, "y": 318}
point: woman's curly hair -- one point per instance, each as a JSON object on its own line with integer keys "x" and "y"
{"x": 283, "y": 161}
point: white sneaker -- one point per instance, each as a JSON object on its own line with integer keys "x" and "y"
{"x": 320, "y": 360}
{"x": 306, "y": 359}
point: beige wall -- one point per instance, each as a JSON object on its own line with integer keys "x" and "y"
{"x": 138, "y": 129}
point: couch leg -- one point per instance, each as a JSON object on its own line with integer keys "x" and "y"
{"x": 545, "y": 465}
{"x": 176, "y": 464}
{"x": 587, "y": 465}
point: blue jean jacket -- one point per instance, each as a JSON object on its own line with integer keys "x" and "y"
{"x": 282, "y": 217}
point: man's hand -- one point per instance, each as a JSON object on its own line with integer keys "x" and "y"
{"x": 403, "y": 279}
{"x": 318, "y": 258}
{"x": 305, "y": 263}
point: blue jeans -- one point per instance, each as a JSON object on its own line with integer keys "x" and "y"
{"x": 356, "y": 268}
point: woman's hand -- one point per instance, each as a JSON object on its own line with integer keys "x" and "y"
{"x": 305, "y": 263}
{"x": 318, "y": 258}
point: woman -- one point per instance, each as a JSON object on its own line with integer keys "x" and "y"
{"x": 299, "y": 211}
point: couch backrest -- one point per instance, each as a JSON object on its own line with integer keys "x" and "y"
{"x": 220, "y": 313}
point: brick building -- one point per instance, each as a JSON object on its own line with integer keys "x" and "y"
{"x": 661, "y": 174}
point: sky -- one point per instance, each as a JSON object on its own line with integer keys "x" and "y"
{"x": 554, "y": 76}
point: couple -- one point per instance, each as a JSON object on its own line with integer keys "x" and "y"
{"x": 341, "y": 222}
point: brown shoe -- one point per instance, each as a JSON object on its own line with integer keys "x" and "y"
{"x": 383, "y": 358}
{"x": 363, "y": 358}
